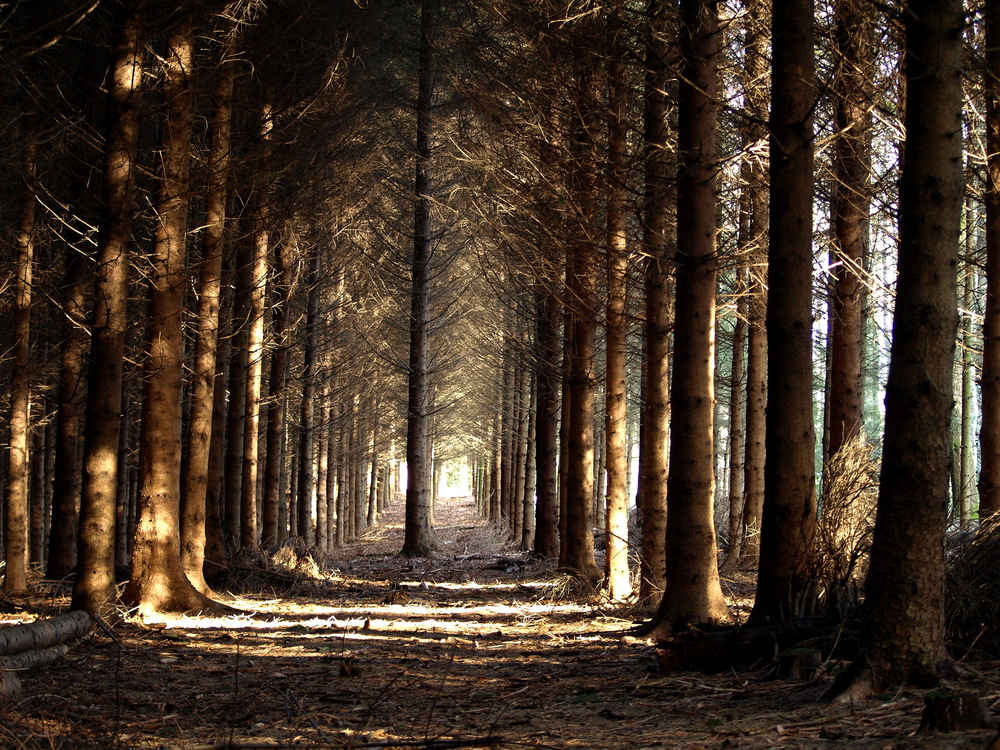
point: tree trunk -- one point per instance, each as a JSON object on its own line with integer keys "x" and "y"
{"x": 547, "y": 312}
{"x": 737, "y": 433}
{"x": 789, "y": 515}
{"x": 260, "y": 244}
{"x": 904, "y": 624}
{"x": 989, "y": 435}
{"x": 273, "y": 455}
{"x": 617, "y": 581}
{"x": 419, "y": 534}
{"x": 693, "y": 594}
{"x": 656, "y": 248}
{"x": 196, "y": 476}
{"x": 157, "y": 583}
{"x": 18, "y": 466}
{"x": 94, "y": 588}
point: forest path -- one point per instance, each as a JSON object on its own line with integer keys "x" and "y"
{"x": 474, "y": 648}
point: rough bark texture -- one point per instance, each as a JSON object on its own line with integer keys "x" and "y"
{"x": 307, "y": 413}
{"x": 989, "y": 436}
{"x": 904, "y": 607}
{"x": 853, "y": 29}
{"x": 419, "y": 538}
{"x": 157, "y": 583}
{"x": 94, "y": 588}
{"x": 789, "y": 515}
{"x": 18, "y": 463}
{"x": 693, "y": 594}
{"x": 617, "y": 581}
{"x": 547, "y": 308}
{"x": 581, "y": 283}
{"x": 652, "y": 492}
{"x": 196, "y": 476}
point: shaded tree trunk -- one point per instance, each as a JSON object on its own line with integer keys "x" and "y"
{"x": 653, "y": 443}
{"x": 546, "y": 543}
{"x": 419, "y": 534}
{"x": 789, "y": 514}
{"x": 904, "y": 625}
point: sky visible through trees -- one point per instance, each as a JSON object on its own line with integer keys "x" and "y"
{"x": 667, "y": 287}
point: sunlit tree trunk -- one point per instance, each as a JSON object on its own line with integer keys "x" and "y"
{"x": 617, "y": 581}
{"x": 18, "y": 464}
{"x": 789, "y": 515}
{"x": 94, "y": 588}
{"x": 204, "y": 366}
{"x": 157, "y": 583}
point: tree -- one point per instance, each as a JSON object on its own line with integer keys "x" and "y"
{"x": 693, "y": 594}
{"x": 16, "y": 511}
{"x": 904, "y": 604}
{"x": 989, "y": 436}
{"x": 94, "y": 588}
{"x": 657, "y": 250}
{"x": 616, "y": 573}
{"x": 157, "y": 583}
{"x": 419, "y": 541}
{"x": 196, "y": 470}
{"x": 789, "y": 516}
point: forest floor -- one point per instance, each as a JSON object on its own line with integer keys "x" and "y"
{"x": 476, "y": 648}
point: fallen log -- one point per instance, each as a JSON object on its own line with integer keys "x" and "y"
{"x": 44, "y": 633}
{"x": 722, "y": 649}
{"x": 31, "y": 659}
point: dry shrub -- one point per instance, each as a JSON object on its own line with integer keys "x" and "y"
{"x": 844, "y": 531}
{"x": 972, "y": 605}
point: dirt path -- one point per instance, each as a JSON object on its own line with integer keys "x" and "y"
{"x": 475, "y": 648}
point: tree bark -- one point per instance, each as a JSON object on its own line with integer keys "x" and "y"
{"x": 18, "y": 466}
{"x": 989, "y": 436}
{"x": 693, "y": 594}
{"x": 617, "y": 581}
{"x": 196, "y": 476}
{"x": 419, "y": 534}
{"x": 94, "y": 588}
{"x": 789, "y": 514}
{"x": 657, "y": 249}
{"x": 547, "y": 311}
{"x": 904, "y": 611}
{"x": 157, "y": 583}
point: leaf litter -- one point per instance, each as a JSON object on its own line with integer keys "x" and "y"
{"x": 478, "y": 647}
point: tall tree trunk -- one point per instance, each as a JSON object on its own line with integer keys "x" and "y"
{"x": 273, "y": 455}
{"x": 854, "y": 32}
{"x": 419, "y": 534}
{"x": 789, "y": 517}
{"x": 653, "y": 456}
{"x": 737, "y": 433}
{"x": 547, "y": 313}
{"x": 693, "y": 594}
{"x": 260, "y": 244}
{"x": 18, "y": 466}
{"x": 157, "y": 583}
{"x": 66, "y": 474}
{"x": 617, "y": 581}
{"x": 989, "y": 435}
{"x": 196, "y": 476}
{"x": 94, "y": 588}
{"x": 905, "y": 633}
{"x": 581, "y": 284}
